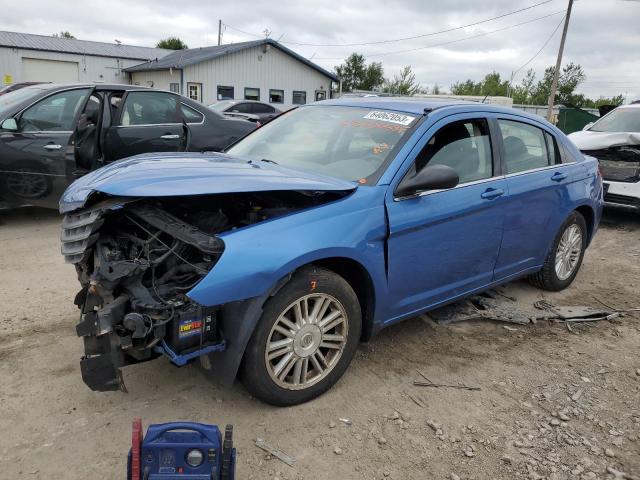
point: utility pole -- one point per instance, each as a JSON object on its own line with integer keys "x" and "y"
{"x": 219, "y": 32}
{"x": 554, "y": 84}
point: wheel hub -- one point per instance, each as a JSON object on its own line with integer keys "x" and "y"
{"x": 307, "y": 341}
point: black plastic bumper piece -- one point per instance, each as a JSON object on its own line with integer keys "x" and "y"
{"x": 100, "y": 374}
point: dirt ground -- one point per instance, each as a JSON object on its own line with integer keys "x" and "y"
{"x": 553, "y": 403}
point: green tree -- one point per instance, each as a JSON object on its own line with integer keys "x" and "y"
{"x": 63, "y": 34}
{"x": 492, "y": 85}
{"x": 172, "y": 43}
{"x": 355, "y": 74}
{"x": 570, "y": 77}
{"x": 523, "y": 92}
{"x": 403, "y": 84}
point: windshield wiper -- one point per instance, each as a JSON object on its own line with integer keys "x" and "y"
{"x": 268, "y": 161}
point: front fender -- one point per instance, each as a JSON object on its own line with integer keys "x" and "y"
{"x": 258, "y": 256}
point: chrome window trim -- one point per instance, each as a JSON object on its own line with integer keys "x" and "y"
{"x": 484, "y": 180}
{"x": 148, "y": 125}
{"x": 193, "y": 108}
{"x": 539, "y": 169}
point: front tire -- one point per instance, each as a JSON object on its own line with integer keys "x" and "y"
{"x": 565, "y": 258}
{"x": 305, "y": 339}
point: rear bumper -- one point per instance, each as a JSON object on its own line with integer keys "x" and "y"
{"x": 622, "y": 194}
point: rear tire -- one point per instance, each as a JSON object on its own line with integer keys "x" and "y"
{"x": 565, "y": 258}
{"x": 305, "y": 339}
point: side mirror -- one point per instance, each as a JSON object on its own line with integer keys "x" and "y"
{"x": 431, "y": 177}
{"x": 10, "y": 124}
{"x": 588, "y": 126}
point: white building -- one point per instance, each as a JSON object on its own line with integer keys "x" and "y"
{"x": 262, "y": 70}
{"x": 39, "y": 58}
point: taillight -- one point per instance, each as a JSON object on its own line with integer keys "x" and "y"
{"x": 258, "y": 124}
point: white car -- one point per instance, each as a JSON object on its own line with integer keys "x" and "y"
{"x": 615, "y": 141}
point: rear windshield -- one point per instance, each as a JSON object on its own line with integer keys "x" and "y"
{"x": 351, "y": 143}
{"x": 619, "y": 120}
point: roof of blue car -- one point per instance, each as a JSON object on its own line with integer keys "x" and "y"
{"x": 400, "y": 104}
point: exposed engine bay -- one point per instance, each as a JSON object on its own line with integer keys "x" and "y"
{"x": 136, "y": 261}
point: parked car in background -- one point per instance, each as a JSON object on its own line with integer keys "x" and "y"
{"x": 262, "y": 111}
{"x": 615, "y": 141}
{"x": 17, "y": 86}
{"x": 52, "y": 134}
{"x": 316, "y": 231}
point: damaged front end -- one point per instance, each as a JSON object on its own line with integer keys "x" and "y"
{"x": 136, "y": 261}
{"x": 618, "y": 163}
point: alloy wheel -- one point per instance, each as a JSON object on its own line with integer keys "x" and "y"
{"x": 568, "y": 252}
{"x": 306, "y": 341}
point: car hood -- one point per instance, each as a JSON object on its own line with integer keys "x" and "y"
{"x": 177, "y": 174}
{"x": 590, "y": 140}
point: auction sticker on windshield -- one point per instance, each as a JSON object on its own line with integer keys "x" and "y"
{"x": 392, "y": 117}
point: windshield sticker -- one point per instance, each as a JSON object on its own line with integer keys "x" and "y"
{"x": 397, "y": 118}
{"x": 369, "y": 124}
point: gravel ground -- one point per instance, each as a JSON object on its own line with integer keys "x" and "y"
{"x": 553, "y": 403}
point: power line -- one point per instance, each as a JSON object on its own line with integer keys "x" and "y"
{"x": 378, "y": 42}
{"x": 451, "y": 41}
{"x": 539, "y": 51}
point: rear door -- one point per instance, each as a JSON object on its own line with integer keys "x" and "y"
{"x": 37, "y": 159}
{"x": 444, "y": 243}
{"x": 538, "y": 182}
{"x": 148, "y": 121}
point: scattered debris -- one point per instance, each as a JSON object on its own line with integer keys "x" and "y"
{"x": 619, "y": 474}
{"x": 337, "y": 451}
{"x": 279, "y": 454}
{"x": 511, "y": 329}
{"x": 418, "y": 383}
{"x": 576, "y": 396}
{"x": 346, "y": 421}
{"x": 332, "y": 424}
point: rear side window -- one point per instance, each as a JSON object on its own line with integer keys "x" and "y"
{"x": 191, "y": 115}
{"x": 150, "y": 108}
{"x": 525, "y": 146}
{"x": 464, "y": 146}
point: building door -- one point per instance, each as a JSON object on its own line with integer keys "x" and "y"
{"x": 194, "y": 91}
{"x": 56, "y": 71}
{"x": 321, "y": 95}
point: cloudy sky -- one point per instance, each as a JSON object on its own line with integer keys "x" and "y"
{"x": 604, "y": 35}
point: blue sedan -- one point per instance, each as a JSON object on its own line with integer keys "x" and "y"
{"x": 273, "y": 260}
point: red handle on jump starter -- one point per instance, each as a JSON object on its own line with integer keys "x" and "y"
{"x": 136, "y": 447}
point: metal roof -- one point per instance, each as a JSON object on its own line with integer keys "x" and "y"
{"x": 83, "y": 47}
{"x": 182, "y": 58}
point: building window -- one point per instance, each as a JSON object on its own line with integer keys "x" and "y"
{"x": 194, "y": 91}
{"x": 276, "y": 96}
{"x": 174, "y": 87}
{"x": 321, "y": 95}
{"x": 251, "y": 93}
{"x": 225, "y": 93}
{"x": 299, "y": 98}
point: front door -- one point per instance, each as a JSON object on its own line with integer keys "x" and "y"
{"x": 148, "y": 121}
{"x": 37, "y": 159}
{"x": 443, "y": 244}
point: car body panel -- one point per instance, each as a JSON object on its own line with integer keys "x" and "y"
{"x": 174, "y": 174}
{"x": 418, "y": 252}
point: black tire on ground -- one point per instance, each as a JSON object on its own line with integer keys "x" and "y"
{"x": 547, "y": 278}
{"x": 306, "y": 281}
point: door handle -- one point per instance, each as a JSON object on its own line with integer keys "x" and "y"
{"x": 558, "y": 176}
{"x": 51, "y": 146}
{"x": 170, "y": 137}
{"x": 491, "y": 193}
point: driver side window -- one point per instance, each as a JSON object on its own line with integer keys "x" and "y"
{"x": 55, "y": 113}
{"x": 464, "y": 146}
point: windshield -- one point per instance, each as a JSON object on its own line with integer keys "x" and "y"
{"x": 9, "y": 101}
{"x": 345, "y": 142}
{"x": 619, "y": 120}
{"x": 220, "y": 106}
